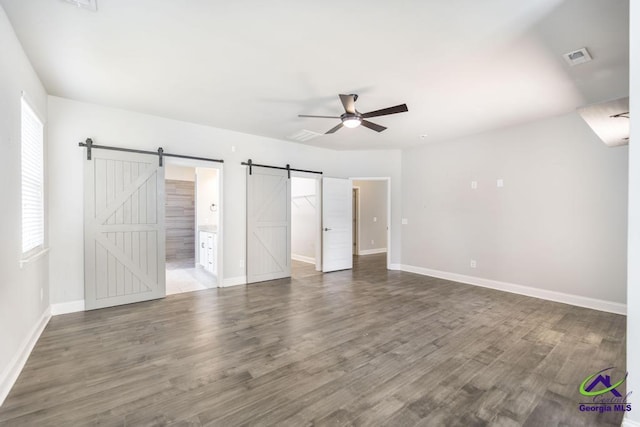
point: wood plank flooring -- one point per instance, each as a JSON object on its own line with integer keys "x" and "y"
{"x": 361, "y": 347}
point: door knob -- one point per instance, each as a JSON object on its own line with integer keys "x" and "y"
{"x": 327, "y": 229}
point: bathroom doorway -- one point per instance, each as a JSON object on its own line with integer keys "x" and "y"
{"x": 193, "y": 227}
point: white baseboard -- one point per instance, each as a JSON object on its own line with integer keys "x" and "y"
{"x": 395, "y": 266}
{"x": 302, "y": 258}
{"x": 9, "y": 376}
{"x": 373, "y": 251}
{"x": 67, "y": 307}
{"x": 234, "y": 281}
{"x": 626, "y": 422}
{"x": 580, "y": 301}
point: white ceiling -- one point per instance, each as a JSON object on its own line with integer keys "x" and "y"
{"x": 461, "y": 66}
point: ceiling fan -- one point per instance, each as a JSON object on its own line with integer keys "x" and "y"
{"x": 352, "y": 118}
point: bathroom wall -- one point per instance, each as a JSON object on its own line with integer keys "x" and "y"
{"x": 207, "y": 195}
{"x": 180, "y": 219}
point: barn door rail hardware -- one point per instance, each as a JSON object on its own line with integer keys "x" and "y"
{"x": 160, "y": 153}
{"x": 287, "y": 168}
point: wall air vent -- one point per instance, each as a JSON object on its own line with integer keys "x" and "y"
{"x": 576, "y": 57}
{"x": 84, "y": 4}
{"x": 304, "y": 135}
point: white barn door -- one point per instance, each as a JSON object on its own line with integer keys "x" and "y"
{"x": 268, "y": 224}
{"x": 337, "y": 235}
{"x": 123, "y": 229}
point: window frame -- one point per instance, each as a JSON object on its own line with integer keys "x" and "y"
{"x": 32, "y": 252}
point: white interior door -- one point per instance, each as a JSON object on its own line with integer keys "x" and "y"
{"x": 268, "y": 224}
{"x": 337, "y": 237}
{"x": 123, "y": 229}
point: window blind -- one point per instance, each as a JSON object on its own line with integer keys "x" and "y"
{"x": 32, "y": 139}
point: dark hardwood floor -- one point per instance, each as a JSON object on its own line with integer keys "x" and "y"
{"x": 361, "y": 347}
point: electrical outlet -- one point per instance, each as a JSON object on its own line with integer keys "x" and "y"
{"x": 473, "y": 263}
{"x": 241, "y": 263}
{"x": 233, "y": 148}
{"x": 371, "y": 241}
{"x": 405, "y": 221}
{"x": 474, "y": 185}
{"x": 375, "y": 219}
{"x": 500, "y": 183}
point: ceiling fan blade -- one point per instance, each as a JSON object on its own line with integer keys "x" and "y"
{"x": 334, "y": 129}
{"x": 320, "y": 117}
{"x": 349, "y": 103}
{"x": 370, "y": 125}
{"x": 385, "y": 111}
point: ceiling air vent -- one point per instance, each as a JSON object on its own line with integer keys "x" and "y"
{"x": 576, "y": 57}
{"x": 304, "y": 135}
{"x": 84, "y": 4}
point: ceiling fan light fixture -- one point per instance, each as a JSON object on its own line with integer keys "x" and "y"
{"x": 351, "y": 122}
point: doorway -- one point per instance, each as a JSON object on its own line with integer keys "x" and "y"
{"x": 321, "y": 224}
{"x": 356, "y": 212}
{"x": 371, "y": 219}
{"x": 280, "y": 211}
{"x": 306, "y": 223}
{"x": 193, "y": 226}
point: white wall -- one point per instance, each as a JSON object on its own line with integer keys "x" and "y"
{"x": 21, "y": 308}
{"x": 558, "y": 224}
{"x": 633, "y": 264}
{"x": 304, "y": 224}
{"x": 179, "y": 173}
{"x": 373, "y": 205}
{"x": 206, "y": 195}
{"x": 71, "y": 122}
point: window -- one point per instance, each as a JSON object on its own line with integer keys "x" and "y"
{"x": 32, "y": 135}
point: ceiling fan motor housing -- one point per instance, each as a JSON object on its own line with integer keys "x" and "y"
{"x": 347, "y": 116}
